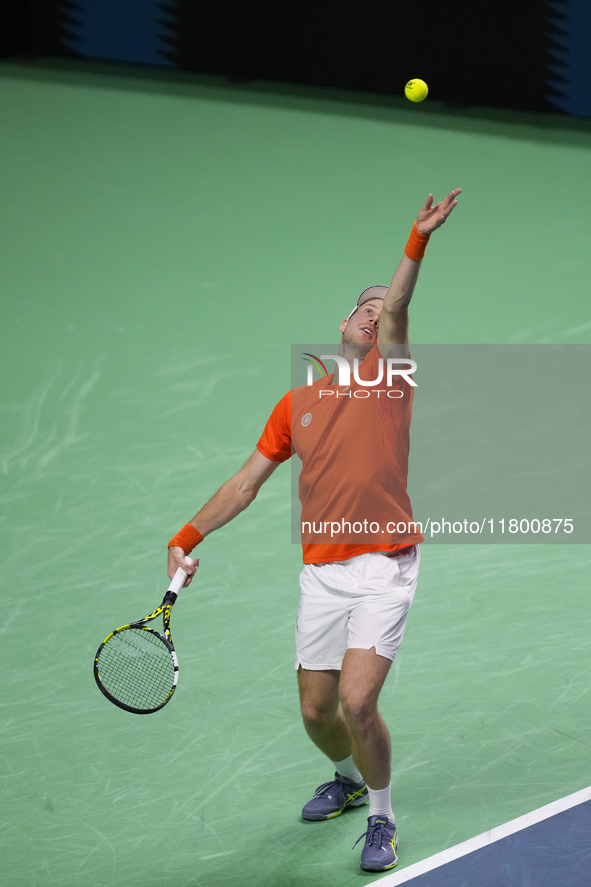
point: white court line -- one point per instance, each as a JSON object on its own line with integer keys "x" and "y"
{"x": 486, "y": 838}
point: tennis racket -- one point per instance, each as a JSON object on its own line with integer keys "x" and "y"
{"x": 136, "y": 667}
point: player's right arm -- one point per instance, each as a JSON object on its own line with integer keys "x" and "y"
{"x": 229, "y": 501}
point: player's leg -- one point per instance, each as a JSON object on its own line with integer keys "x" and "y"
{"x": 321, "y": 643}
{"x": 327, "y": 728}
{"x": 386, "y": 588}
{"x": 376, "y": 628}
{"x": 362, "y": 677}
{"x": 322, "y": 715}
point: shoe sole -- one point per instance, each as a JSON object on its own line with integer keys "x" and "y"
{"x": 382, "y": 868}
{"x": 321, "y": 817}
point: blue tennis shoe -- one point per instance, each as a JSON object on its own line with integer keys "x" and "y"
{"x": 381, "y": 844}
{"x": 331, "y": 798}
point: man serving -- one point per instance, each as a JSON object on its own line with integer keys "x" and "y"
{"x": 357, "y": 584}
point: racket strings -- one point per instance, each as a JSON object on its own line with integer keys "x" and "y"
{"x": 137, "y": 668}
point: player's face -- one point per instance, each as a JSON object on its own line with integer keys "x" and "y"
{"x": 362, "y": 327}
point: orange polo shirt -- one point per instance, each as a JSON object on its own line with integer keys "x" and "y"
{"x": 354, "y": 445}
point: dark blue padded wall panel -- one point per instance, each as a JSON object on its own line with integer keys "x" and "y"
{"x": 139, "y": 31}
{"x": 569, "y": 54}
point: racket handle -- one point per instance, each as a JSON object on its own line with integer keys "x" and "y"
{"x": 178, "y": 580}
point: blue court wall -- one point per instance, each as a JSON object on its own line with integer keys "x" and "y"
{"x": 569, "y": 51}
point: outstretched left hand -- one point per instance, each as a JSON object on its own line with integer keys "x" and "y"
{"x": 432, "y": 217}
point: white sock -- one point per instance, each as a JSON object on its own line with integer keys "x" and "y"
{"x": 380, "y": 803}
{"x": 348, "y": 769}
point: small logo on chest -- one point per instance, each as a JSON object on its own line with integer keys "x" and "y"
{"x": 306, "y": 419}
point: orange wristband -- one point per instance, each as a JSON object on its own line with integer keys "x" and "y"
{"x": 187, "y": 538}
{"x": 415, "y": 248}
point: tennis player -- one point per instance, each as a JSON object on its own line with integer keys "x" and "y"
{"x": 357, "y": 585}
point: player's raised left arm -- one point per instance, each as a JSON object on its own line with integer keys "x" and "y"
{"x": 393, "y": 328}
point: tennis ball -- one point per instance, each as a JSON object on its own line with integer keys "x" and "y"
{"x": 416, "y": 90}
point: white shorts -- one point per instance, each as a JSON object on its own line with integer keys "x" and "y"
{"x": 360, "y": 603}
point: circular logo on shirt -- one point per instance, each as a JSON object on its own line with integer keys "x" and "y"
{"x": 306, "y": 419}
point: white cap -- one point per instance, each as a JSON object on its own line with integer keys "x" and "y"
{"x": 372, "y": 292}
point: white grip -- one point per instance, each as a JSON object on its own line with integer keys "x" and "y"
{"x": 178, "y": 580}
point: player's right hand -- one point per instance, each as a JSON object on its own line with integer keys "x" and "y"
{"x": 176, "y": 559}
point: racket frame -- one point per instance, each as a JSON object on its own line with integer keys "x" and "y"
{"x": 164, "y": 611}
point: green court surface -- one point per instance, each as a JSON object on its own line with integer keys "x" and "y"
{"x": 165, "y": 240}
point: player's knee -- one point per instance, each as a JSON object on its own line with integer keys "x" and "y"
{"x": 359, "y": 710}
{"x": 315, "y": 715}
